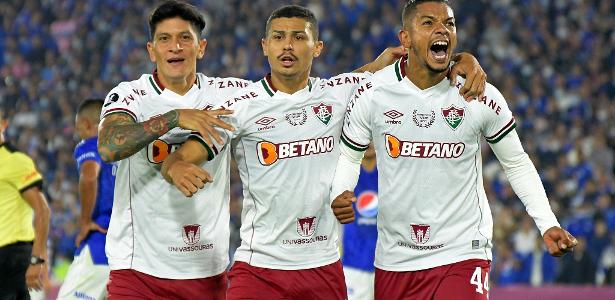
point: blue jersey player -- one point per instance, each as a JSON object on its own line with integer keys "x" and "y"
{"x": 359, "y": 239}
{"x": 88, "y": 274}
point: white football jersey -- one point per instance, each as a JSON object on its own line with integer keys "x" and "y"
{"x": 154, "y": 228}
{"x": 433, "y": 209}
{"x": 286, "y": 147}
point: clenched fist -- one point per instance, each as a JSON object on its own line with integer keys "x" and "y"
{"x": 342, "y": 207}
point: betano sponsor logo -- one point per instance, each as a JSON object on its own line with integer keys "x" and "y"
{"x": 269, "y": 153}
{"x": 396, "y": 148}
{"x": 159, "y": 150}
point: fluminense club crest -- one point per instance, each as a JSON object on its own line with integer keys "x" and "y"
{"x": 323, "y": 112}
{"x": 419, "y": 233}
{"x": 306, "y": 226}
{"x": 191, "y": 233}
{"x": 453, "y": 116}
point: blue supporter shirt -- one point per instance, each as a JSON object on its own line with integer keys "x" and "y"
{"x": 84, "y": 151}
{"x": 359, "y": 242}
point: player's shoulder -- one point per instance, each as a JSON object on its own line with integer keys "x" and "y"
{"x": 344, "y": 80}
{"x": 384, "y": 79}
{"x": 251, "y": 92}
{"x": 90, "y": 144}
{"x": 220, "y": 83}
{"x": 132, "y": 90}
{"x": 492, "y": 97}
{"x": 389, "y": 75}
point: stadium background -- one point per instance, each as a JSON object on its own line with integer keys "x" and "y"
{"x": 552, "y": 60}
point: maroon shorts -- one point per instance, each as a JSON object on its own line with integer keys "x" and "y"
{"x": 131, "y": 285}
{"x": 465, "y": 280}
{"x": 249, "y": 282}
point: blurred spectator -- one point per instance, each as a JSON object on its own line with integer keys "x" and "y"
{"x": 578, "y": 267}
{"x": 606, "y": 266}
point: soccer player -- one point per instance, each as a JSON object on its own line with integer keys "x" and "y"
{"x": 23, "y": 247}
{"x": 287, "y": 128}
{"x": 88, "y": 274}
{"x": 161, "y": 244}
{"x": 359, "y": 237}
{"x": 434, "y": 221}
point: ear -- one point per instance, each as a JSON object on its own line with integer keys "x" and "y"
{"x": 320, "y": 45}
{"x": 150, "y": 51}
{"x": 404, "y": 38}
{"x": 265, "y": 48}
{"x": 202, "y": 46}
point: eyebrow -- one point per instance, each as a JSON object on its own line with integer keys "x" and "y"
{"x": 179, "y": 33}
{"x": 292, "y": 31}
{"x": 434, "y": 18}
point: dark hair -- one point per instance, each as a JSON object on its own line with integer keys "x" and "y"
{"x": 173, "y": 8}
{"x": 294, "y": 11}
{"x": 410, "y": 8}
{"x": 91, "y": 104}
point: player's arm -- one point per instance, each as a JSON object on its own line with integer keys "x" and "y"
{"x": 387, "y": 57}
{"x": 36, "y": 274}
{"x": 466, "y": 65}
{"x": 181, "y": 168}
{"x": 88, "y": 188}
{"x": 526, "y": 183}
{"x": 120, "y": 136}
{"x": 344, "y": 181}
{"x": 355, "y": 139}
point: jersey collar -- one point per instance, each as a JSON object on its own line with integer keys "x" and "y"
{"x": 271, "y": 90}
{"x": 400, "y": 68}
{"x": 159, "y": 87}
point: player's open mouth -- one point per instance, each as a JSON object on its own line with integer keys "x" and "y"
{"x": 439, "y": 51}
{"x": 287, "y": 60}
{"x": 175, "y": 61}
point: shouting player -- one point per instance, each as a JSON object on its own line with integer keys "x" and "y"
{"x": 434, "y": 221}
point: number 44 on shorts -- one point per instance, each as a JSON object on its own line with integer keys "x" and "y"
{"x": 478, "y": 282}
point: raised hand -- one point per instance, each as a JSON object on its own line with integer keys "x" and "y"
{"x": 204, "y": 121}
{"x": 467, "y": 66}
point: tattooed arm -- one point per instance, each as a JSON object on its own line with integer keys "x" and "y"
{"x": 119, "y": 136}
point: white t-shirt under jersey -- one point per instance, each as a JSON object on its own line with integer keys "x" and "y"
{"x": 286, "y": 147}
{"x": 154, "y": 229}
{"x": 433, "y": 209}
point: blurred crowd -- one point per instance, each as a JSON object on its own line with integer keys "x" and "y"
{"x": 552, "y": 60}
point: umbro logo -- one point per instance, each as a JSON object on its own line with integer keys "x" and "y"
{"x": 265, "y": 121}
{"x": 392, "y": 115}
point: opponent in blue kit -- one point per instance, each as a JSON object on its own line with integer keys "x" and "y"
{"x": 89, "y": 272}
{"x": 359, "y": 239}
